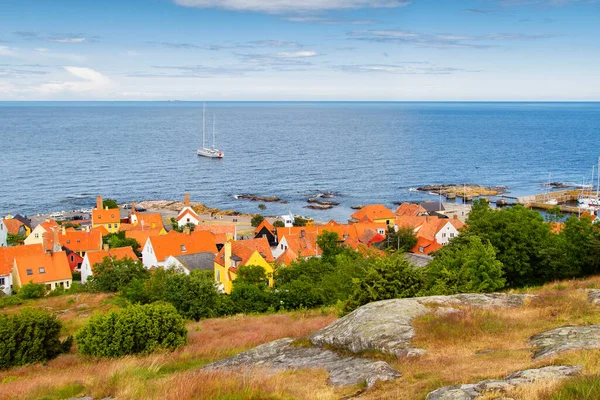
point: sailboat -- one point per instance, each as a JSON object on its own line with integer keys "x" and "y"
{"x": 210, "y": 152}
{"x": 590, "y": 202}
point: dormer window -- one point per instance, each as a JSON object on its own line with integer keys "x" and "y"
{"x": 183, "y": 248}
{"x": 29, "y": 272}
{"x": 68, "y": 241}
{"x": 42, "y": 270}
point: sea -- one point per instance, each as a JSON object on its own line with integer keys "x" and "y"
{"x": 57, "y": 156}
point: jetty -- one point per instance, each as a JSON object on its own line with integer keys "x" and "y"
{"x": 546, "y": 201}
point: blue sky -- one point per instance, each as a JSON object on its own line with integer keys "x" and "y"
{"x": 300, "y": 50}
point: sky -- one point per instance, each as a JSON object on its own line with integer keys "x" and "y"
{"x": 300, "y": 50}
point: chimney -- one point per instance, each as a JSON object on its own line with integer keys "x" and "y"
{"x": 56, "y": 245}
{"x": 98, "y": 202}
{"x": 227, "y": 260}
{"x": 302, "y": 233}
{"x": 64, "y": 231}
{"x": 105, "y": 247}
{"x": 186, "y": 200}
{"x": 132, "y": 206}
{"x": 455, "y": 216}
{"x": 186, "y": 231}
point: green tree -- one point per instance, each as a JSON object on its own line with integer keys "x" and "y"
{"x": 14, "y": 239}
{"x": 113, "y": 275}
{"x": 554, "y": 214}
{"x": 330, "y": 245}
{"x": 110, "y": 203}
{"x": 387, "y": 278}
{"x": 132, "y": 330}
{"x": 32, "y": 291}
{"x": 118, "y": 239}
{"x": 28, "y": 337}
{"x": 401, "y": 241}
{"x": 278, "y": 224}
{"x": 469, "y": 267}
{"x": 194, "y": 296}
{"x": 299, "y": 221}
{"x": 256, "y": 220}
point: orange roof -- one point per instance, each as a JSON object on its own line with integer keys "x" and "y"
{"x": 40, "y": 268}
{"x": 12, "y": 225}
{"x": 374, "y": 212}
{"x": 96, "y": 256}
{"x": 287, "y": 257}
{"x": 244, "y": 249}
{"x": 303, "y": 245}
{"x": 104, "y": 216}
{"x": 411, "y": 221}
{"x": 428, "y": 246}
{"x": 264, "y": 224}
{"x": 142, "y": 236}
{"x": 8, "y": 254}
{"x": 216, "y": 229}
{"x": 185, "y": 211}
{"x": 150, "y": 220}
{"x": 77, "y": 241}
{"x": 410, "y": 209}
{"x": 332, "y": 222}
{"x": 100, "y": 228}
{"x": 175, "y": 244}
{"x": 48, "y": 225}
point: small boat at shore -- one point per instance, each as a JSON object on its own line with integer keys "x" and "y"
{"x": 210, "y": 152}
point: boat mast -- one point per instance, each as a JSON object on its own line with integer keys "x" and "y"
{"x": 203, "y": 125}
{"x": 213, "y": 131}
{"x": 598, "y": 184}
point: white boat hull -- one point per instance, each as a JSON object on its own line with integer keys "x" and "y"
{"x": 210, "y": 153}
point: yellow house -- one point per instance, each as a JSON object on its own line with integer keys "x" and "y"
{"x": 374, "y": 213}
{"x": 109, "y": 218}
{"x": 234, "y": 255}
{"x": 41, "y": 232}
{"x": 52, "y": 270}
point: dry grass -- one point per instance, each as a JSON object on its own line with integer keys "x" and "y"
{"x": 465, "y": 347}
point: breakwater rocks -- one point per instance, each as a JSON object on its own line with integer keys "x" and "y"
{"x": 385, "y": 326}
{"x": 283, "y": 355}
{"x": 512, "y": 381}
{"x": 463, "y": 191}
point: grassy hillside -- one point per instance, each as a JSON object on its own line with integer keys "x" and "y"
{"x": 463, "y": 347}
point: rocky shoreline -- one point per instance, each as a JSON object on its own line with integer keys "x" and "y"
{"x": 452, "y": 191}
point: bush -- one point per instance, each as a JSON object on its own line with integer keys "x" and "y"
{"x": 7, "y": 301}
{"x": 28, "y": 337}
{"x": 194, "y": 296}
{"x": 113, "y": 275}
{"x": 32, "y": 291}
{"x": 138, "y": 329}
{"x": 278, "y": 224}
{"x": 256, "y": 220}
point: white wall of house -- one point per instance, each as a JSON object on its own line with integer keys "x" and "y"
{"x": 172, "y": 262}
{"x": 288, "y": 220}
{"x": 188, "y": 217}
{"x": 149, "y": 257}
{"x": 86, "y": 269}
{"x": 5, "y": 284}
{"x": 36, "y": 236}
{"x": 3, "y": 234}
{"x": 281, "y": 247}
{"x": 447, "y": 232}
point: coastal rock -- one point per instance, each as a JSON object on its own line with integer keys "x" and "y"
{"x": 521, "y": 378}
{"x": 254, "y": 197}
{"x": 567, "y": 338}
{"x": 281, "y": 355}
{"x": 468, "y": 191}
{"x": 385, "y": 326}
{"x": 594, "y": 297}
{"x": 319, "y": 206}
{"x": 322, "y": 202}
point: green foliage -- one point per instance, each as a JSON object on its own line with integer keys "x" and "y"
{"x": 262, "y": 207}
{"x": 299, "y": 221}
{"x": 113, "y": 275}
{"x": 69, "y": 225}
{"x": 299, "y": 294}
{"x": 15, "y": 239}
{"x": 28, "y": 337}
{"x": 578, "y": 388}
{"x": 278, "y": 224}
{"x": 175, "y": 226}
{"x": 330, "y": 245}
{"x": 110, "y": 203}
{"x": 387, "y": 278}
{"x": 148, "y": 290}
{"x": 118, "y": 239}
{"x": 138, "y": 329}
{"x": 401, "y": 241}
{"x": 554, "y": 214}
{"x": 7, "y": 301}
{"x": 256, "y": 220}
{"x": 253, "y": 274}
{"x": 466, "y": 267}
{"x": 194, "y": 296}
{"x": 251, "y": 291}
{"x": 32, "y": 291}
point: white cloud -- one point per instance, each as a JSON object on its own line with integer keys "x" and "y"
{"x": 91, "y": 80}
{"x": 298, "y": 54}
{"x": 68, "y": 40}
{"x": 287, "y": 6}
{"x": 7, "y": 51}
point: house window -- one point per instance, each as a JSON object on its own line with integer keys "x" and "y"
{"x": 2, "y": 281}
{"x": 183, "y": 248}
{"x": 421, "y": 249}
{"x": 42, "y": 270}
{"x": 37, "y": 235}
{"x": 99, "y": 216}
{"x": 452, "y": 235}
{"x": 78, "y": 240}
{"x": 444, "y": 234}
{"x": 67, "y": 283}
{"x": 109, "y": 226}
{"x": 218, "y": 275}
{"x": 29, "y": 272}
{"x": 264, "y": 235}
{"x": 68, "y": 241}
{"x": 188, "y": 220}
{"x": 62, "y": 284}
{"x": 72, "y": 258}
{"x": 49, "y": 287}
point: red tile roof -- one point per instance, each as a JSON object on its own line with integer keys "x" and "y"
{"x": 244, "y": 249}
{"x": 147, "y": 221}
{"x": 264, "y": 224}
{"x": 97, "y": 256}
{"x": 104, "y": 216}
{"x": 410, "y": 209}
{"x": 185, "y": 211}
{"x": 43, "y": 267}
{"x": 373, "y": 212}
{"x": 8, "y": 254}
{"x": 78, "y": 241}
{"x": 12, "y": 225}
{"x": 175, "y": 244}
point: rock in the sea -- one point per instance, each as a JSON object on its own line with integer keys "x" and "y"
{"x": 254, "y": 197}
{"x": 385, "y": 326}
{"x": 594, "y": 296}
{"x": 567, "y": 338}
{"x": 281, "y": 355}
{"x": 521, "y": 378}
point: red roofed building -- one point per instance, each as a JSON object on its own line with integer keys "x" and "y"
{"x": 157, "y": 249}
{"x": 411, "y": 210}
{"x": 109, "y": 218}
{"x": 187, "y": 215}
{"x": 7, "y": 258}
{"x": 51, "y": 270}
{"x": 95, "y": 257}
{"x": 374, "y": 213}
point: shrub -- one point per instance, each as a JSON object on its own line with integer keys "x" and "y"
{"x": 256, "y": 220}
{"x": 194, "y": 296}
{"x": 28, "y": 337}
{"x": 132, "y": 330}
{"x": 6, "y": 301}
{"x": 113, "y": 275}
{"x": 31, "y": 291}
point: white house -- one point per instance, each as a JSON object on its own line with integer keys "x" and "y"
{"x": 187, "y": 215}
{"x": 94, "y": 257}
{"x": 3, "y": 234}
{"x": 288, "y": 220}
{"x": 157, "y": 249}
{"x": 446, "y": 231}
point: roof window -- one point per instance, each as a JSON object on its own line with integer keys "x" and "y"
{"x": 42, "y": 270}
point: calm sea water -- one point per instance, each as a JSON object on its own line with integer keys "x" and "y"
{"x": 58, "y": 156}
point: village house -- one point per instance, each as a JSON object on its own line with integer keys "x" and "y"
{"x": 410, "y": 210}
{"x": 267, "y": 231}
{"x": 187, "y": 215}
{"x": 97, "y": 256}
{"x": 221, "y": 233}
{"x": 374, "y": 213}
{"x": 238, "y": 254}
{"x": 7, "y": 258}
{"x": 37, "y": 235}
{"x": 432, "y": 233}
{"x": 157, "y": 249}
{"x": 295, "y": 246}
{"x": 109, "y": 218}
{"x": 143, "y": 221}
{"x": 51, "y": 270}
{"x": 15, "y": 226}
{"x": 3, "y": 234}
{"x": 192, "y": 262}
{"x": 77, "y": 241}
